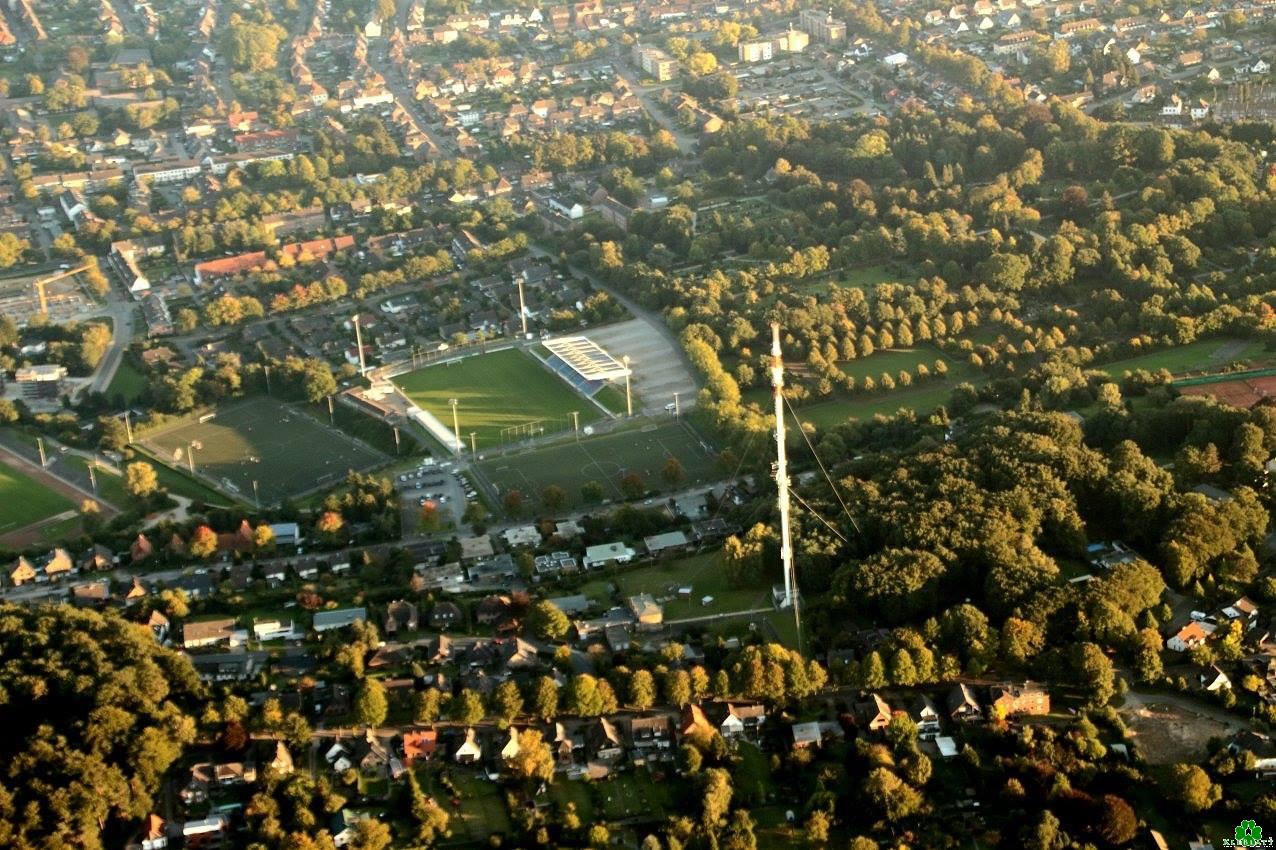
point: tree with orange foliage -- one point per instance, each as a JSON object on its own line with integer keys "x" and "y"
{"x": 204, "y": 542}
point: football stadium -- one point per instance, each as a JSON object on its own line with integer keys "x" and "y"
{"x": 507, "y": 397}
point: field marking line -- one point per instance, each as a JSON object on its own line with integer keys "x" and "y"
{"x": 594, "y": 461}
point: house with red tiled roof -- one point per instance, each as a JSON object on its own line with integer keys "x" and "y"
{"x": 141, "y": 549}
{"x": 1194, "y": 634}
{"x": 420, "y": 745}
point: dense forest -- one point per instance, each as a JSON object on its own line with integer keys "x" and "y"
{"x": 95, "y": 712}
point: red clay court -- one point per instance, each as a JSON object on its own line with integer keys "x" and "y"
{"x": 1241, "y": 392}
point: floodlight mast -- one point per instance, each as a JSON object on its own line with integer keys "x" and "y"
{"x": 456, "y": 426}
{"x": 358, "y": 341}
{"x": 522, "y": 305}
{"x": 629, "y": 398}
{"x": 782, "y": 478}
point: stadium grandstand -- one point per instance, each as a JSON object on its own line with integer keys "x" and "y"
{"x": 582, "y": 363}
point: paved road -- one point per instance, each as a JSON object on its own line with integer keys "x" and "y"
{"x": 405, "y": 95}
{"x": 1124, "y": 95}
{"x": 121, "y": 314}
{"x": 686, "y": 141}
{"x": 412, "y": 545}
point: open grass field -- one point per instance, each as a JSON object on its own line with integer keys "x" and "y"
{"x": 284, "y": 449}
{"x": 920, "y": 398}
{"x": 1203, "y": 356}
{"x": 704, "y": 574}
{"x": 604, "y": 459}
{"x": 863, "y": 278}
{"x": 127, "y": 384}
{"x": 496, "y": 394}
{"x": 892, "y": 361}
{"x": 24, "y": 501}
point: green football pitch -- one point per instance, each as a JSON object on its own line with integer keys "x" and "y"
{"x": 24, "y": 501}
{"x": 502, "y": 397}
{"x": 604, "y": 459}
{"x": 284, "y": 449}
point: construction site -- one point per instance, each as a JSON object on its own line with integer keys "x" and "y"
{"x": 61, "y": 295}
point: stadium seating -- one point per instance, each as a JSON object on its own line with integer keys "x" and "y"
{"x": 568, "y": 374}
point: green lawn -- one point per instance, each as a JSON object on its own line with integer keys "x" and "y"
{"x": 375, "y": 432}
{"x": 864, "y": 278}
{"x": 128, "y": 383}
{"x": 632, "y": 795}
{"x": 705, "y": 575}
{"x": 500, "y": 396}
{"x": 612, "y": 397}
{"x": 24, "y": 501}
{"x": 1203, "y": 356}
{"x": 109, "y": 485}
{"x": 181, "y": 484}
{"x": 919, "y": 397}
{"x": 603, "y": 459}
{"x": 62, "y": 530}
{"x": 565, "y": 791}
{"x": 597, "y": 590}
{"x": 482, "y": 811}
{"x": 752, "y": 777}
{"x": 893, "y": 361}
{"x": 922, "y": 399}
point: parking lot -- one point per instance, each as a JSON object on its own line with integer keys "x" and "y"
{"x": 432, "y": 482}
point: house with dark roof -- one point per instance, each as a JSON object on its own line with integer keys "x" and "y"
{"x": 603, "y": 741}
{"x": 962, "y": 705}
{"x": 925, "y": 714}
{"x": 567, "y": 739}
{"x": 470, "y": 750}
{"x": 400, "y": 615}
{"x": 228, "y": 666}
{"x": 492, "y": 609}
{"x": 876, "y": 713}
{"x": 446, "y": 615}
{"x": 650, "y": 734}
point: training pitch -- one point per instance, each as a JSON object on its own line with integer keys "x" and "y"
{"x": 604, "y": 459}
{"x": 283, "y": 448}
{"x": 503, "y": 397}
{"x": 24, "y": 501}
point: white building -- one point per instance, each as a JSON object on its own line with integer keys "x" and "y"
{"x": 606, "y": 554}
{"x": 274, "y": 630}
{"x": 522, "y": 535}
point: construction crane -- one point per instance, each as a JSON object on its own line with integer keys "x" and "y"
{"x": 41, "y": 283}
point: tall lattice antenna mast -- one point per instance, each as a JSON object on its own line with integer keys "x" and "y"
{"x": 790, "y": 598}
